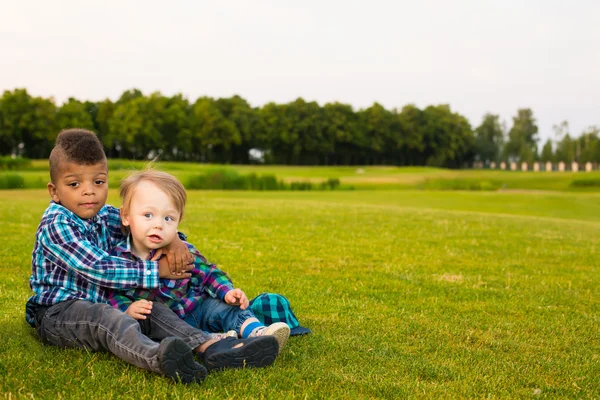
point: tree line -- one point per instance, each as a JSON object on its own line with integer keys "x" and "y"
{"x": 229, "y": 130}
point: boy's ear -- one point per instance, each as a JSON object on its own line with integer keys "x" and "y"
{"x": 124, "y": 218}
{"x": 53, "y": 192}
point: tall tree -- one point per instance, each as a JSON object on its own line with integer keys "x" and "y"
{"x": 522, "y": 137}
{"x": 376, "y": 123}
{"x": 238, "y": 111}
{"x": 449, "y": 140}
{"x": 14, "y": 106}
{"x": 489, "y": 139}
{"x": 175, "y": 127}
{"x": 212, "y": 136}
{"x": 27, "y": 124}
{"x": 565, "y": 145}
{"x": 590, "y": 144}
{"x": 412, "y": 120}
{"x": 135, "y": 127}
{"x": 547, "y": 153}
{"x": 566, "y": 149}
{"x": 105, "y": 110}
{"x": 282, "y": 138}
{"x": 341, "y": 128}
{"x": 73, "y": 114}
{"x": 307, "y": 126}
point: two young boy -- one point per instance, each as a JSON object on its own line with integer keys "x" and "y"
{"x": 73, "y": 275}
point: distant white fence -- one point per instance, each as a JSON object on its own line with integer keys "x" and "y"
{"x": 539, "y": 166}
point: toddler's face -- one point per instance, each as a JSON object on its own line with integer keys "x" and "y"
{"x": 82, "y": 189}
{"x": 152, "y": 218}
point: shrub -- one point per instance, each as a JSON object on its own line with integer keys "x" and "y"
{"x": 231, "y": 180}
{"x": 301, "y": 186}
{"x": 9, "y": 163}
{"x": 460, "y": 184}
{"x": 585, "y": 183}
{"x": 330, "y": 184}
{"x": 11, "y": 181}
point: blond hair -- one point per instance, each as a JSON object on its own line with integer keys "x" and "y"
{"x": 165, "y": 182}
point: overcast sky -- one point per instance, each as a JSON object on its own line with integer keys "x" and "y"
{"x": 478, "y": 56}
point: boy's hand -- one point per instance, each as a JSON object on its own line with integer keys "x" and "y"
{"x": 237, "y": 297}
{"x": 178, "y": 256}
{"x": 164, "y": 271}
{"x": 139, "y": 309}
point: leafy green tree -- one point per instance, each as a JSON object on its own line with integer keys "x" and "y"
{"x": 105, "y": 110}
{"x": 566, "y": 149}
{"x": 91, "y": 107}
{"x": 547, "y": 152}
{"x": 307, "y": 127}
{"x": 565, "y": 145}
{"x": 489, "y": 139}
{"x": 376, "y": 123}
{"x": 129, "y": 95}
{"x": 281, "y": 137}
{"x": 590, "y": 145}
{"x": 14, "y": 106}
{"x": 522, "y": 137}
{"x": 412, "y": 122}
{"x": 449, "y": 140}
{"x": 135, "y": 127}
{"x": 27, "y": 124}
{"x": 40, "y": 134}
{"x": 175, "y": 127}
{"x": 73, "y": 114}
{"x": 212, "y": 136}
{"x": 341, "y": 129}
{"x": 245, "y": 118}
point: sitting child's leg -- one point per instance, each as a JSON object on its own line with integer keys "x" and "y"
{"x": 252, "y": 327}
{"x": 218, "y": 354}
{"x": 100, "y": 327}
{"x": 213, "y": 315}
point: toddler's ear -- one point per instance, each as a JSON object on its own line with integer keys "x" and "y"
{"x": 53, "y": 193}
{"x": 124, "y": 218}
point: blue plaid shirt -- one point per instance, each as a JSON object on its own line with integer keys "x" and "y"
{"x": 71, "y": 259}
{"x": 180, "y": 295}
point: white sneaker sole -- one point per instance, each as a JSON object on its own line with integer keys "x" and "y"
{"x": 281, "y": 331}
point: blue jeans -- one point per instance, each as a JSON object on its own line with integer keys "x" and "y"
{"x": 100, "y": 327}
{"x": 213, "y": 315}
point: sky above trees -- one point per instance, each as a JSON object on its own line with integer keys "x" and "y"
{"x": 476, "y": 56}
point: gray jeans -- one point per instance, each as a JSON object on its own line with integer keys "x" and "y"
{"x": 100, "y": 327}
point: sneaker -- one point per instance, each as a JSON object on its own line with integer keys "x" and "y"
{"x": 176, "y": 360}
{"x": 280, "y": 330}
{"x": 255, "y": 352}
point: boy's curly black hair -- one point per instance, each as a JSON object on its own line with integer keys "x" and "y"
{"x": 78, "y": 146}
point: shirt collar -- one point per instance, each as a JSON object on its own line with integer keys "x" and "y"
{"x": 125, "y": 248}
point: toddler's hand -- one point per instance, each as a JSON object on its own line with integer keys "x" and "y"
{"x": 237, "y": 297}
{"x": 139, "y": 309}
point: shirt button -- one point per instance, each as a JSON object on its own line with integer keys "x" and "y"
{"x": 148, "y": 272}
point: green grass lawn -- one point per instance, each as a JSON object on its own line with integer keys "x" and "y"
{"x": 420, "y": 294}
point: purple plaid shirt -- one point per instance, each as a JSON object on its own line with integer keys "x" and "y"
{"x": 71, "y": 259}
{"x": 180, "y": 295}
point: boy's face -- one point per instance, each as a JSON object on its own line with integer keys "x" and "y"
{"x": 152, "y": 218}
{"x": 82, "y": 189}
